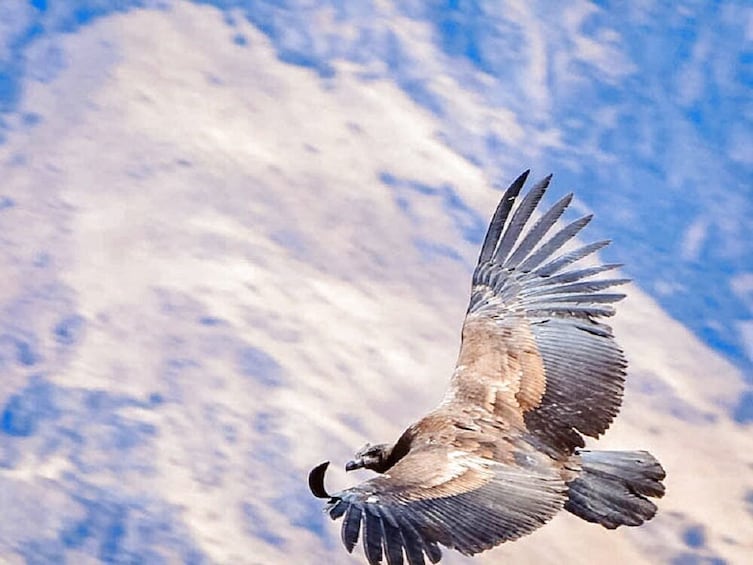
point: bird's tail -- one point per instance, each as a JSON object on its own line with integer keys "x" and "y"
{"x": 613, "y": 487}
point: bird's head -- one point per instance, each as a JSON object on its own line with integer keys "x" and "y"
{"x": 372, "y": 457}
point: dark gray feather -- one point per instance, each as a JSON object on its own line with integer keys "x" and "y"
{"x": 553, "y": 244}
{"x": 497, "y": 223}
{"x": 393, "y": 543}
{"x": 565, "y": 260}
{"x": 538, "y": 231}
{"x": 575, "y": 274}
{"x": 613, "y": 487}
{"x": 519, "y": 218}
{"x": 337, "y": 509}
{"x": 372, "y": 535}
{"x": 351, "y": 527}
{"x": 574, "y": 288}
{"x": 412, "y": 544}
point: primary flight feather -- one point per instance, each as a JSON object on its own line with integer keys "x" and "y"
{"x": 503, "y": 452}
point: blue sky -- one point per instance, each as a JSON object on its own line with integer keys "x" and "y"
{"x": 645, "y": 112}
{"x": 656, "y": 132}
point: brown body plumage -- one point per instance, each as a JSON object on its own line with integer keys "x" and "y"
{"x": 502, "y": 453}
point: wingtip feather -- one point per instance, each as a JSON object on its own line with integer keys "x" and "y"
{"x": 522, "y": 177}
{"x": 497, "y": 223}
{"x": 316, "y": 480}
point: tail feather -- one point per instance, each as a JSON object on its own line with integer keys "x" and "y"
{"x": 612, "y": 487}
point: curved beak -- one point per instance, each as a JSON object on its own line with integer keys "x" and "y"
{"x": 354, "y": 464}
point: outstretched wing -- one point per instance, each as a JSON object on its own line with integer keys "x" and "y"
{"x": 534, "y": 352}
{"x": 453, "y": 498}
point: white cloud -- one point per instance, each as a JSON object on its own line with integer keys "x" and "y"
{"x": 225, "y": 163}
{"x": 742, "y": 286}
{"x": 745, "y": 329}
{"x": 740, "y": 144}
{"x": 15, "y": 17}
{"x": 693, "y": 238}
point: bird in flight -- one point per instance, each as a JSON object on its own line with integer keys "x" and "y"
{"x": 504, "y": 451}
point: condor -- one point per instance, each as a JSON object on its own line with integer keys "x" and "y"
{"x": 504, "y": 452}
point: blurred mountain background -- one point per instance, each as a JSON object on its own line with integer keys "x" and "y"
{"x": 237, "y": 239}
